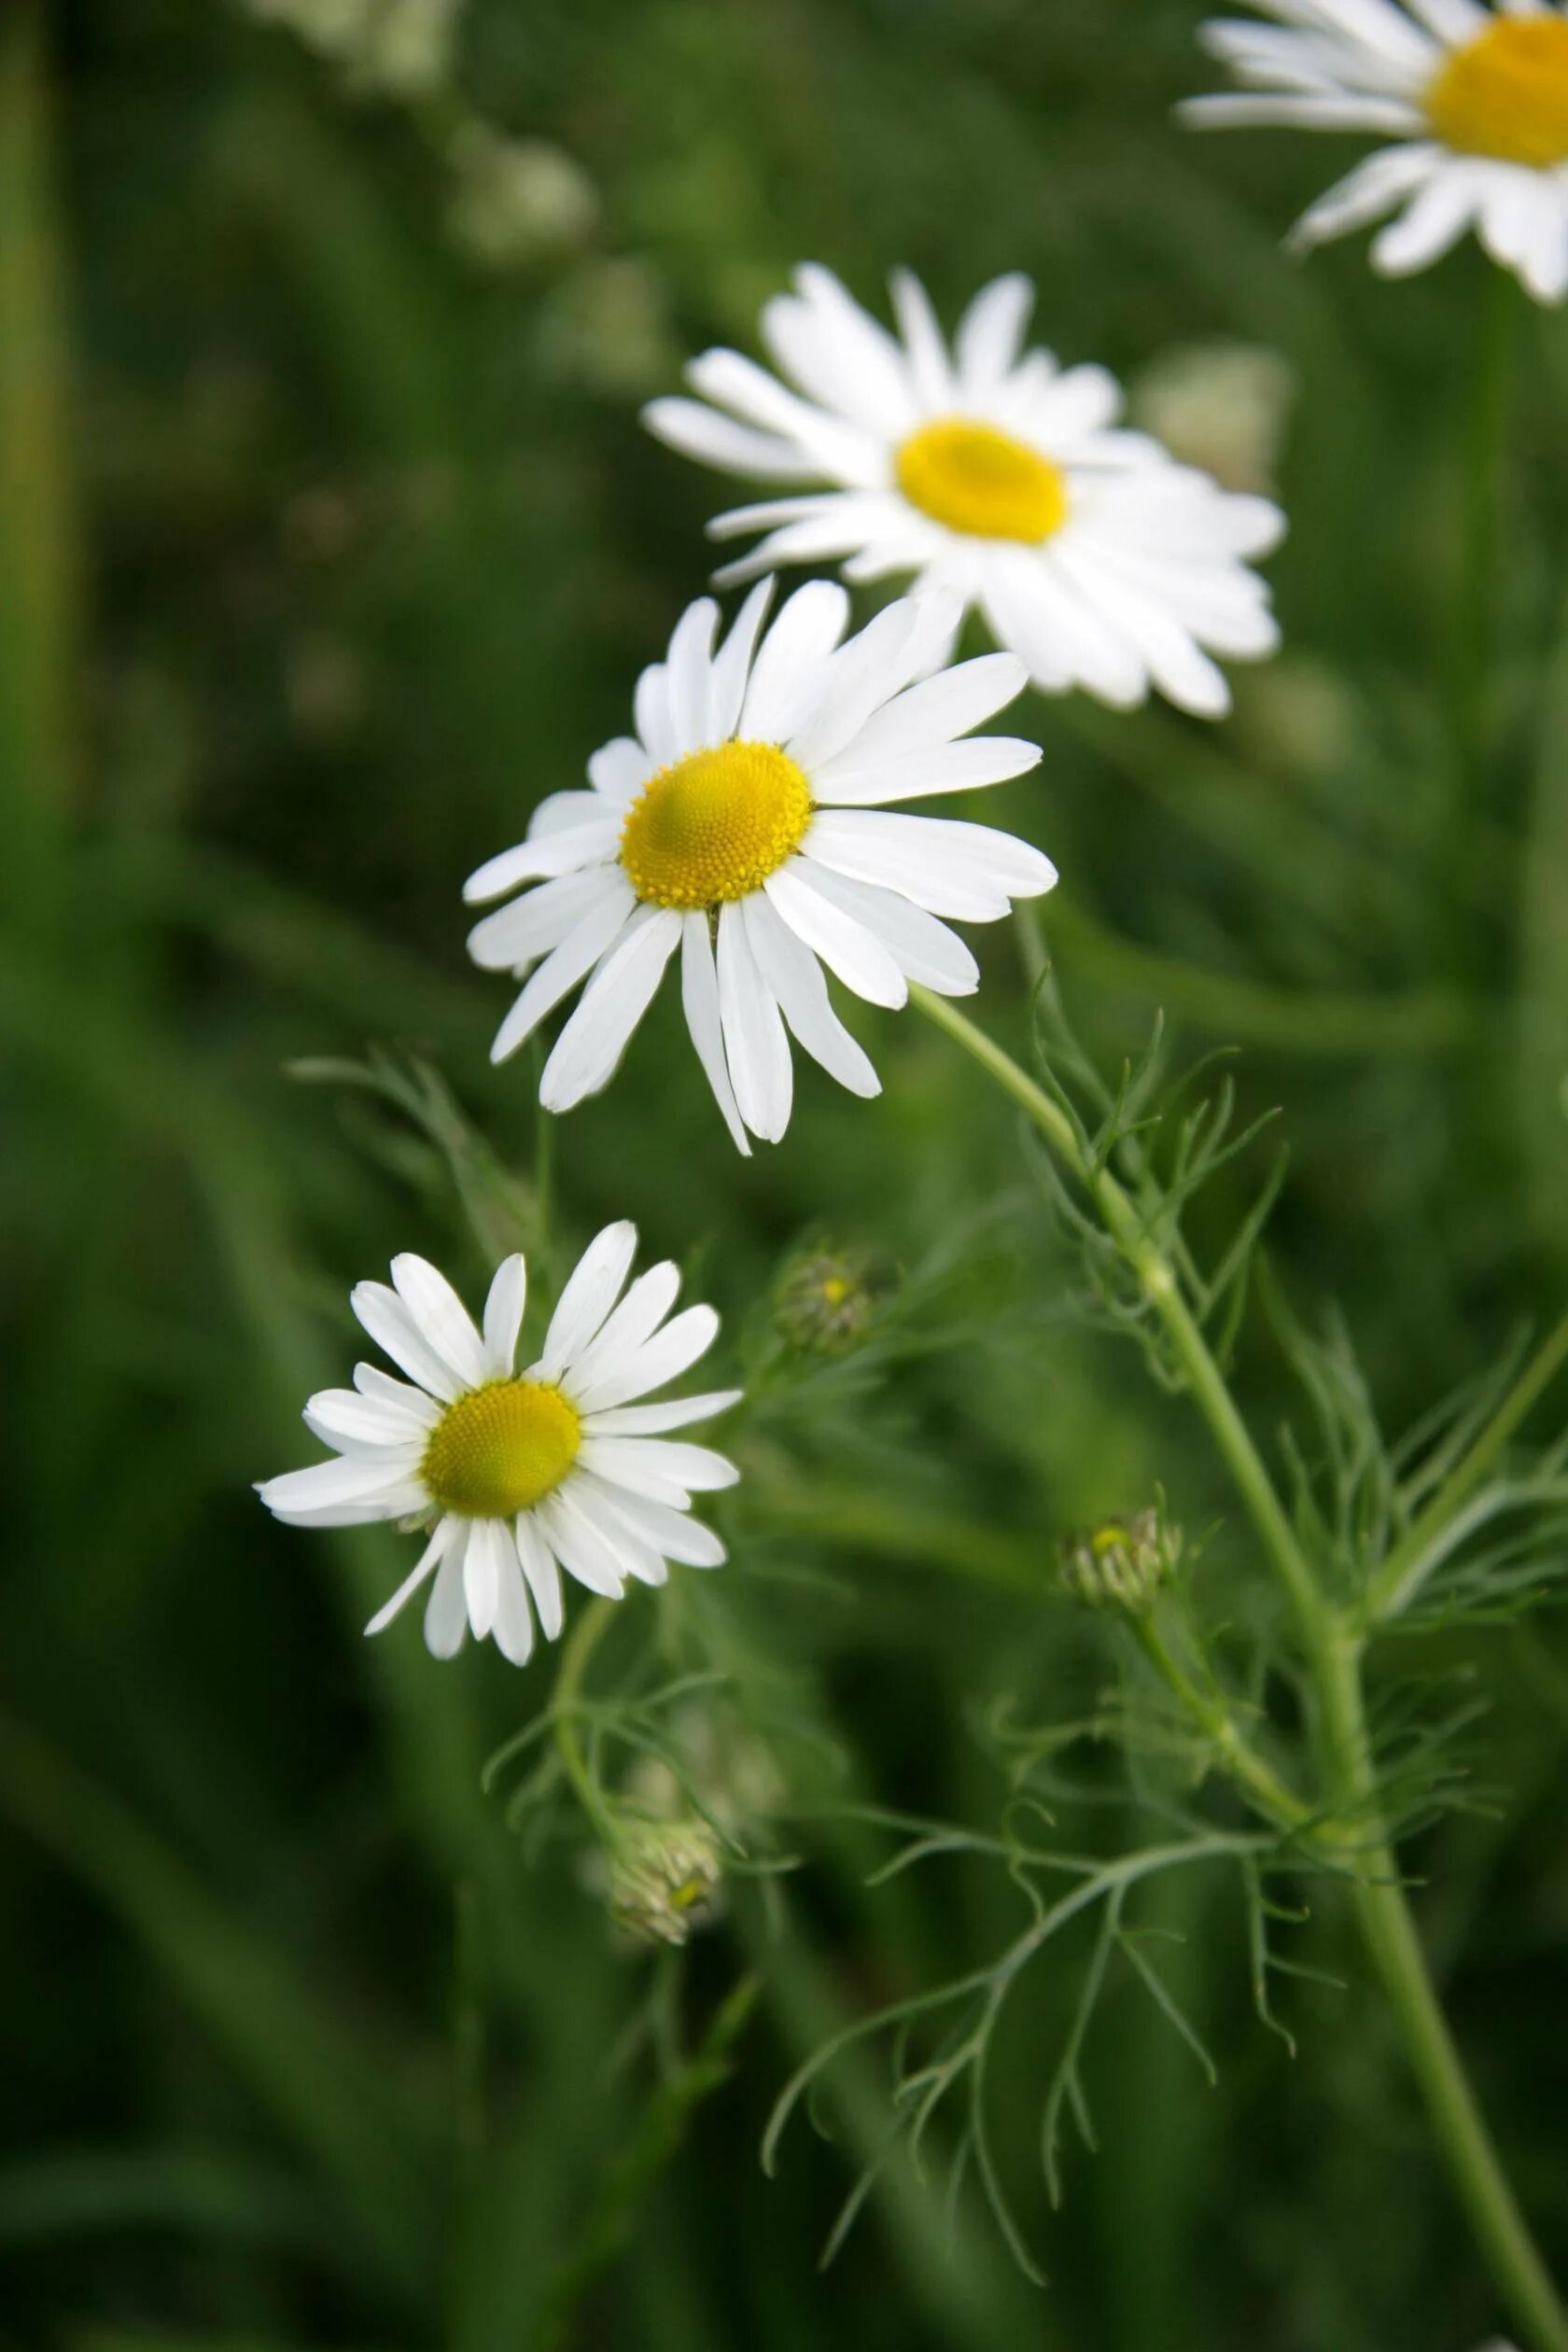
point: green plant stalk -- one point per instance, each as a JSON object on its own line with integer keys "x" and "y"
{"x": 1458, "y": 2125}
{"x": 1333, "y": 1651}
{"x": 1235, "y": 1751}
{"x": 1403, "y": 1573}
{"x": 584, "y": 1638}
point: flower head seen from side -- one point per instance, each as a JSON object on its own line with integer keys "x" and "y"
{"x": 518, "y": 1475}
{"x": 986, "y": 469}
{"x": 745, "y": 825}
{"x": 1472, "y": 101}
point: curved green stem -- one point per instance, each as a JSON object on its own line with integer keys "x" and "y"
{"x": 584, "y": 1639}
{"x": 1161, "y": 1286}
{"x": 1333, "y": 1651}
{"x": 1234, "y": 1750}
{"x": 1458, "y": 2126}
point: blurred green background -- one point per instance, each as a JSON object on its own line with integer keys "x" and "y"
{"x": 329, "y": 543}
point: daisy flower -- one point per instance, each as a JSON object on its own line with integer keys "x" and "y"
{"x": 1473, "y": 99}
{"x": 744, "y": 824}
{"x": 517, "y": 1476}
{"x": 990, "y": 472}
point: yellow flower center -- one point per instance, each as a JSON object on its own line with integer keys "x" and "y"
{"x": 1505, "y": 93}
{"x": 500, "y": 1448}
{"x": 715, "y": 825}
{"x": 977, "y": 480}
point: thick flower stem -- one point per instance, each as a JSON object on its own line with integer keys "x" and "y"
{"x": 1333, "y": 1652}
{"x": 1458, "y": 2126}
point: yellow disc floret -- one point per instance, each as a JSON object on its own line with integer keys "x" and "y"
{"x": 982, "y": 482}
{"x": 713, "y": 826}
{"x": 500, "y": 1448}
{"x": 1505, "y": 93}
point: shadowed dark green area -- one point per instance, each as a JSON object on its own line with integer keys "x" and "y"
{"x": 326, "y": 553}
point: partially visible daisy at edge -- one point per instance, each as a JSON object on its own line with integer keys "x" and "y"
{"x": 987, "y": 471}
{"x": 514, "y": 1477}
{"x": 1474, "y": 99}
{"x": 744, "y": 825}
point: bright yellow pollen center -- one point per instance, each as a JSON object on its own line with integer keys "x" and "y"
{"x": 500, "y": 1448}
{"x": 715, "y": 825}
{"x": 1505, "y": 93}
{"x": 977, "y": 480}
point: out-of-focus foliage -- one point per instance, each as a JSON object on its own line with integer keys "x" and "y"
{"x": 329, "y": 543}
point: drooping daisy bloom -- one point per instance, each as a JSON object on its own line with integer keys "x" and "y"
{"x": 1474, "y": 98}
{"x": 515, "y": 1476}
{"x": 744, "y": 824}
{"x": 1091, "y": 553}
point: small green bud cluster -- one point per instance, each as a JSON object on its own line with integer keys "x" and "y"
{"x": 662, "y": 1877}
{"x": 827, "y": 1301}
{"x": 1121, "y": 1563}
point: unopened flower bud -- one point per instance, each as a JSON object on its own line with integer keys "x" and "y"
{"x": 1121, "y": 1563}
{"x": 662, "y": 1878}
{"x": 517, "y": 201}
{"x": 826, "y": 1302}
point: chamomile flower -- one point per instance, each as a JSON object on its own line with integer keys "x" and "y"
{"x": 745, "y": 825}
{"x": 990, "y": 472}
{"x": 1474, "y": 100}
{"x": 517, "y": 1476}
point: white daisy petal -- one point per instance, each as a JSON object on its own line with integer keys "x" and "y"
{"x": 370, "y": 1488}
{"x": 444, "y": 1321}
{"x": 929, "y": 363}
{"x": 613, "y": 1002}
{"x": 513, "y": 1628}
{"x": 838, "y": 355}
{"x": 732, "y": 663}
{"x": 662, "y": 1358}
{"x": 593, "y": 844}
{"x": 430, "y": 1559}
{"x": 383, "y": 1315}
{"x": 787, "y": 672}
{"x": 503, "y": 1315}
{"x": 918, "y": 945}
{"x": 851, "y": 953}
{"x": 950, "y": 768}
{"x": 596, "y": 1284}
{"x": 949, "y": 868}
{"x": 936, "y": 711}
{"x": 582, "y": 1551}
{"x": 630, "y": 1460}
{"x": 1435, "y": 220}
{"x": 515, "y": 936}
{"x": 542, "y": 1571}
{"x": 619, "y": 770}
{"x": 635, "y": 1320}
{"x": 594, "y": 935}
{"x": 691, "y": 667}
{"x": 446, "y": 1612}
{"x": 347, "y": 1416}
{"x": 713, "y": 438}
{"x": 655, "y": 721}
{"x": 637, "y": 1557}
{"x": 649, "y": 1420}
{"x": 667, "y": 1530}
{"x": 989, "y": 334}
{"x": 699, "y": 995}
{"x": 795, "y": 978}
{"x": 490, "y": 1549}
{"x": 381, "y": 1388}
{"x": 755, "y": 1045}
